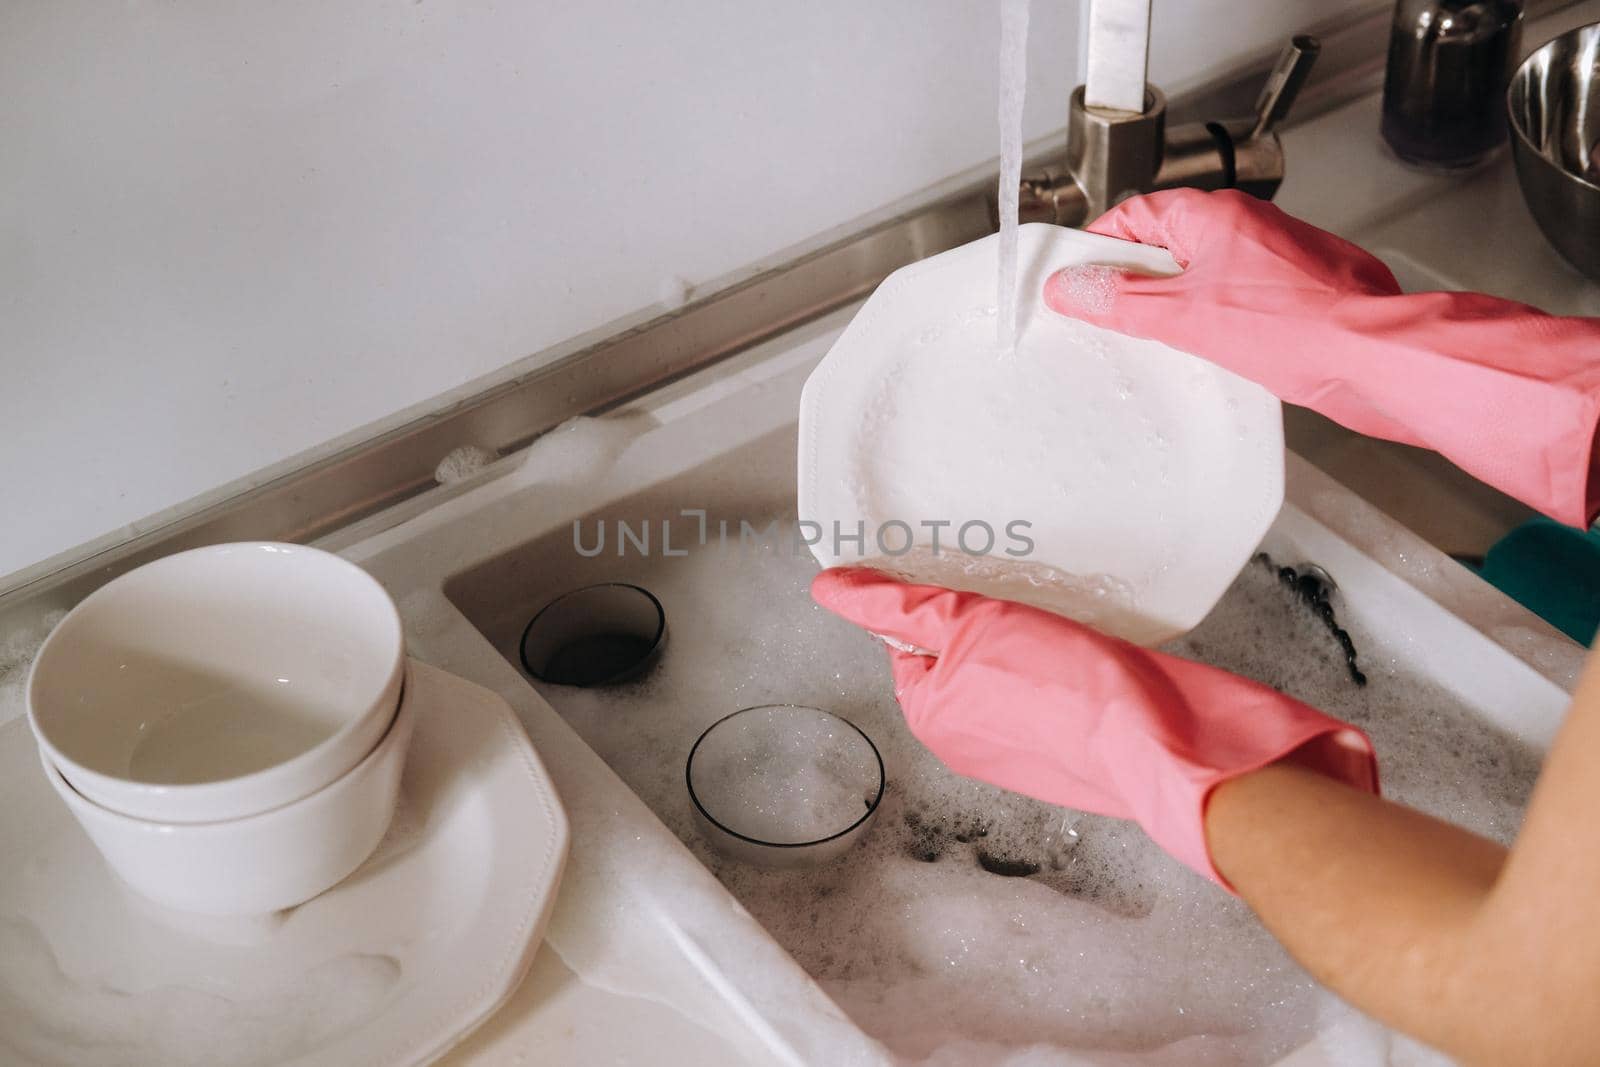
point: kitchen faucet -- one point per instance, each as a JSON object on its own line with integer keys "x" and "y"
{"x": 1115, "y": 151}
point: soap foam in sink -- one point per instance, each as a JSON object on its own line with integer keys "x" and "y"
{"x": 785, "y": 775}
{"x": 582, "y": 449}
{"x": 976, "y": 926}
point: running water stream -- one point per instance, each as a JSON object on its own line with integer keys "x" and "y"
{"x": 1013, "y": 90}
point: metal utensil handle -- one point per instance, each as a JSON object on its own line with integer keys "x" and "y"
{"x": 1284, "y": 83}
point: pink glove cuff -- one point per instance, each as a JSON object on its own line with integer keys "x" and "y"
{"x": 1338, "y": 751}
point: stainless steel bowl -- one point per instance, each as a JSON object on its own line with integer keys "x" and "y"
{"x": 1554, "y": 107}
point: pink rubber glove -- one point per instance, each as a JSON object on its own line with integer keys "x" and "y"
{"x": 1506, "y": 392}
{"x": 1041, "y": 705}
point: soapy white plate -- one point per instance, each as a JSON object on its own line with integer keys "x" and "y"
{"x": 1107, "y": 478}
{"x": 392, "y": 966}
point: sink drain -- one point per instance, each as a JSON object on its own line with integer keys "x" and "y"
{"x": 594, "y": 636}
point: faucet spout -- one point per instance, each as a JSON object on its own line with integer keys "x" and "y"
{"x": 1115, "y": 154}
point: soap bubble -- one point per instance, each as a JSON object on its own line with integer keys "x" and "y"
{"x": 673, "y": 292}
{"x": 462, "y": 463}
{"x": 1089, "y": 288}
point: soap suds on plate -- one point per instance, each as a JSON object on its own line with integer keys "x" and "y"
{"x": 1111, "y": 455}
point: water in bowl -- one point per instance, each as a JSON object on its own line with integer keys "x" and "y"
{"x": 224, "y": 729}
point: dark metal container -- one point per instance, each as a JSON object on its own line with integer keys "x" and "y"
{"x": 1449, "y": 64}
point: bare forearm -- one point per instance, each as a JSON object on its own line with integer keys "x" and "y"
{"x": 1492, "y": 956}
{"x": 1379, "y": 902}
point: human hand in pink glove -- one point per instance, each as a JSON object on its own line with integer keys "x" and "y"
{"x": 1041, "y": 705}
{"x": 1506, "y": 392}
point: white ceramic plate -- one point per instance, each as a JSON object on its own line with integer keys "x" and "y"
{"x": 1145, "y": 476}
{"x": 392, "y": 966}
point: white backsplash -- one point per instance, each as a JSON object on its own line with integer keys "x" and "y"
{"x": 229, "y": 235}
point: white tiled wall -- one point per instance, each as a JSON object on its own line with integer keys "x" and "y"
{"x": 232, "y": 231}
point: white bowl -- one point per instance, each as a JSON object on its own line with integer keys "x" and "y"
{"x": 260, "y": 863}
{"x": 1113, "y": 480}
{"x": 219, "y": 682}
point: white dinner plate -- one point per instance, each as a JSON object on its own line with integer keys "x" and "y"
{"x": 392, "y": 966}
{"x": 1107, "y": 478}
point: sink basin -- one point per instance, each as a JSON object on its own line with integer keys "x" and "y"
{"x": 970, "y": 923}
